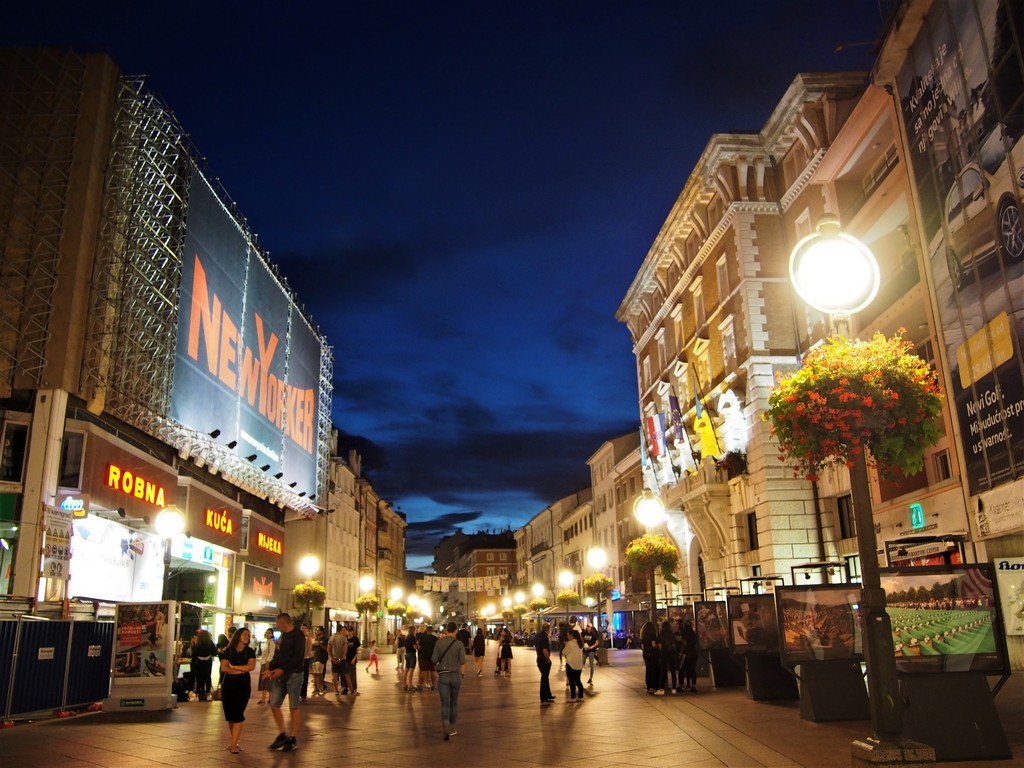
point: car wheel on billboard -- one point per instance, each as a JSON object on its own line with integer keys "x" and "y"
{"x": 956, "y": 272}
{"x": 1011, "y": 229}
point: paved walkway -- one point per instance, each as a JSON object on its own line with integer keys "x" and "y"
{"x": 500, "y": 724}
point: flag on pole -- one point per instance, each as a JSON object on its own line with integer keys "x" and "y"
{"x": 656, "y": 432}
{"x": 677, "y": 416}
{"x": 696, "y": 394}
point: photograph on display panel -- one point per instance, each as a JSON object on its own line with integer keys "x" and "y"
{"x": 945, "y": 619}
{"x": 818, "y": 622}
{"x": 712, "y": 622}
{"x": 753, "y": 625}
{"x": 142, "y": 640}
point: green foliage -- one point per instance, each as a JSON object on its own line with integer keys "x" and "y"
{"x": 654, "y": 552}
{"x": 598, "y": 586}
{"x": 310, "y": 594}
{"x": 567, "y": 598}
{"x": 367, "y": 603}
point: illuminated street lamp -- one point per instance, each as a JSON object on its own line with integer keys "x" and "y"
{"x": 566, "y": 578}
{"x": 309, "y": 565}
{"x": 520, "y": 597}
{"x": 597, "y": 558}
{"x": 538, "y": 590}
{"x": 649, "y": 510}
{"x": 170, "y": 522}
{"x": 366, "y": 583}
{"x": 506, "y": 602}
{"x": 396, "y": 593}
{"x": 837, "y": 274}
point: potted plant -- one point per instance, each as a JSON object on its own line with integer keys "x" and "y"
{"x": 309, "y": 595}
{"x": 598, "y": 586}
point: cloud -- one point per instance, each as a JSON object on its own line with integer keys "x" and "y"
{"x": 422, "y": 536}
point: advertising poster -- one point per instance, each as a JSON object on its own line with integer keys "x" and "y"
{"x": 681, "y": 613}
{"x": 1010, "y": 579}
{"x": 301, "y": 405}
{"x": 143, "y": 642}
{"x": 712, "y": 624}
{"x": 260, "y": 591}
{"x": 753, "y": 626}
{"x": 57, "y": 543}
{"x": 962, "y": 97}
{"x": 247, "y": 363}
{"x": 945, "y": 619}
{"x": 210, "y": 315}
{"x": 818, "y": 623}
{"x": 115, "y": 563}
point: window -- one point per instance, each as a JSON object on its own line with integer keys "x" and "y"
{"x": 12, "y": 461}
{"x": 71, "y": 453}
{"x": 847, "y": 524}
{"x": 943, "y": 470}
{"x": 662, "y": 357}
{"x": 752, "y": 544}
{"x": 490, "y": 557}
{"x": 728, "y": 345}
{"x": 647, "y": 372}
{"x": 502, "y": 555}
{"x": 697, "y": 291}
{"x": 677, "y": 325}
{"x": 853, "y": 565}
{"x": 722, "y": 268}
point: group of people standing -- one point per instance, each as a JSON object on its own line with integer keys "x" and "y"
{"x": 670, "y": 656}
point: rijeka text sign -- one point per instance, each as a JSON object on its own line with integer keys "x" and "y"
{"x": 237, "y": 368}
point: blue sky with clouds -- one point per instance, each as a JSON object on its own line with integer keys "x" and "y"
{"x": 461, "y": 193}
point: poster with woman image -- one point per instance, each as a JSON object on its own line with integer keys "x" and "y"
{"x": 143, "y": 640}
{"x": 712, "y": 624}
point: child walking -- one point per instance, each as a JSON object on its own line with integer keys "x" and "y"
{"x": 373, "y": 658}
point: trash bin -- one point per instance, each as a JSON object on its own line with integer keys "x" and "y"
{"x": 602, "y": 654}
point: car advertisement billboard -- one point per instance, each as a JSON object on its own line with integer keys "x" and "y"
{"x": 961, "y": 93}
{"x": 238, "y": 372}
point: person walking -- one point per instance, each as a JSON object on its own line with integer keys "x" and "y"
{"x": 668, "y": 658}
{"x": 464, "y": 638}
{"x": 448, "y": 656}
{"x": 308, "y": 660}
{"x": 572, "y": 652}
{"x": 373, "y": 660}
{"x": 411, "y": 648}
{"x": 352, "y": 662}
{"x": 337, "y": 652}
{"x": 506, "y": 652}
{"x": 543, "y": 648}
{"x": 266, "y": 654}
{"x": 479, "y": 651}
{"x": 236, "y": 662}
{"x": 690, "y": 653}
{"x": 591, "y": 642}
{"x": 203, "y": 651}
{"x": 400, "y": 651}
{"x": 286, "y": 670}
{"x": 319, "y": 665}
{"x": 649, "y": 647}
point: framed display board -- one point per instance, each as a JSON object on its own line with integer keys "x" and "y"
{"x": 712, "y": 622}
{"x": 818, "y": 622}
{"x": 945, "y": 619}
{"x": 753, "y": 626}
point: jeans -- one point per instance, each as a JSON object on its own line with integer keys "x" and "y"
{"x": 575, "y": 682}
{"x": 590, "y": 657}
{"x": 448, "y": 686}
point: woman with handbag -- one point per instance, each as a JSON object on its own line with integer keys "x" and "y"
{"x": 236, "y": 662}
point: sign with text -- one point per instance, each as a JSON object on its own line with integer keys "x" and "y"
{"x": 247, "y": 363}
{"x": 57, "y": 543}
{"x": 117, "y": 478}
{"x": 959, "y": 92}
{"x": 266, "y": 542}
{"x": 212, "y": 518}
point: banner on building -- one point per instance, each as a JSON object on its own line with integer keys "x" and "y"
{"x": 56, "y": 543}
{"x": 428, "y": 583}
{"x": 260, "y": 591}
{"x": 960, "y": 95}
{"x": 247, "y": 364}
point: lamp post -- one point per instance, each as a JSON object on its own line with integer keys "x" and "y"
{"x": 597, "y": 559}
{"x": 169, "y": 523}
{"x": 366, "y": 583}
{"x": 837, "y": 274}
{"x": 649, "y": 510}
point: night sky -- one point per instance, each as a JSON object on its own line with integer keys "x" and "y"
{"x": 461, "y": 194}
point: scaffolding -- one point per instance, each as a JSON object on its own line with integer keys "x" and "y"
{"x": 129, "y": 365}
{"x": 40, "y": 100}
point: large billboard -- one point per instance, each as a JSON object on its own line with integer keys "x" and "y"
{"x": 961, "y": 92}
{"x": 247, "y": 364}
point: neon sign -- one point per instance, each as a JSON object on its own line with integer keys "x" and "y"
{"x": 134, "y": 485}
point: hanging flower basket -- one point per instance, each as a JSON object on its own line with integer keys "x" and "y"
{"x": 567, "y": 598}
{"x": 853, "y": 396}
{"x": 519, "y": 609}
{"x": 310, "y": 595}
{"x": 734, "y": 464}
{"x": 396, "y": 608}
{"x": 654, "y": 552}
{"x": 367, "y": 603}
{"x": 598, "y": 586}
{"x": 538, "y": 604}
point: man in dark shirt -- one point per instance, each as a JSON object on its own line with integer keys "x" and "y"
{"x": 286, "y": 671}
{"x": 411, "y": 643}
{"x": 543, "y": 646}
{"x": 427, "y": 642}
{"x": 591, "y": 642}
{"x": 463, "y": 637}
{"x": 352, "y": 662}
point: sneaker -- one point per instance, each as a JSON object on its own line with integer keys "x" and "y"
{"x": 479, "y": 673}
{"x": 290, "y": 746}
{"x": 452, "y": 732}
{"x": 279, "y": 742}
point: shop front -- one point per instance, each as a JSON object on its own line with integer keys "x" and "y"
{"x": 258, "y": 577}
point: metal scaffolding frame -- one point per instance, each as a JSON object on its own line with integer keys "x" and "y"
{"x": 40, "y": 99}
{"x": 136, "y": 294}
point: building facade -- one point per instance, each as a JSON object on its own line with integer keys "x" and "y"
{"x": 150, "y": 358}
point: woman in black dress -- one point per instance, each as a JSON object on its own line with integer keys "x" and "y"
{"x": 652, "y": 657}
{"x": 479, "y": 651}
{"x": 236, "y": 662}
{"x": 506, "y": 652}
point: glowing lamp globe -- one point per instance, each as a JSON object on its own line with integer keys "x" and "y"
{"x": 834, "y": 272}
{"x": 649, "y": 510}
{"x": 597, "y": 558}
